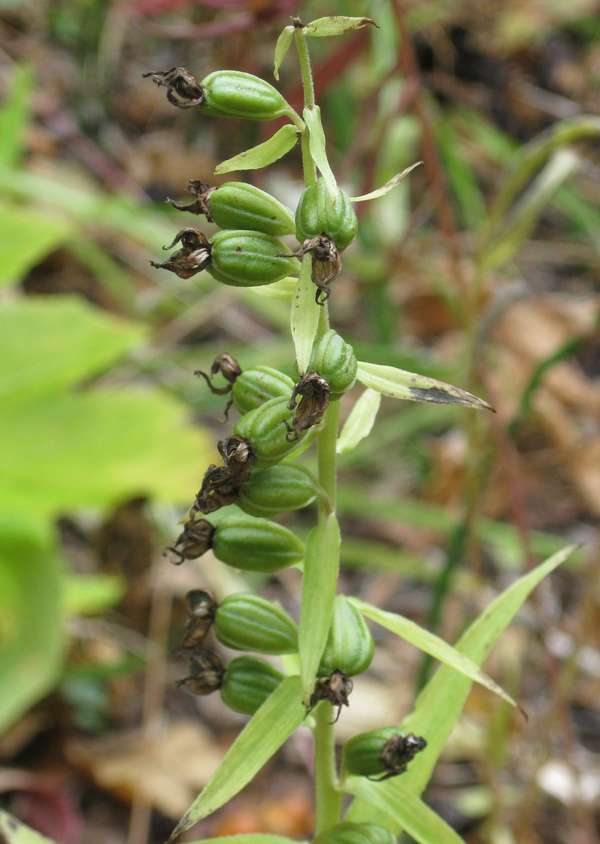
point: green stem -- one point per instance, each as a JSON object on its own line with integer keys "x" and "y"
{"x": 328, "y": 799}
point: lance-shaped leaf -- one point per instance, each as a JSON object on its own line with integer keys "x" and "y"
{"x": 400, "y": 384}
{"x": 316, "y": 144}
{"x": 430, "y": 644}
{"x": 389, "y": 185}
{"x": 321, "y": 566}
{"x": 260, "y": 739}
{"x": 263, "y": 154}
{"x": 305, "y": 315}
{"x": 360, "y": 422}
{"x": 14, "y": 831}
{"x": 335, "y": 25}
{"x": 281, "y": 47}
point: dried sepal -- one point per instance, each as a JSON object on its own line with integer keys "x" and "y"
{"x": 201, "y": 191}
{"x": 397, "y": 752}
{"x": 206, "y": 673}
{"x": 202, "y": 609}
{"x": 326, "y": 264}
{"x": 192, "y": 258}
{"x": 336, "y": 689}
{"x": 314, "y": 394}
{"x": 194, "y": 540}
{"x": 183, "y": 89}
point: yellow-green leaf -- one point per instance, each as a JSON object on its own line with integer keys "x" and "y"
{"x": 281, "y": 47}
{"x": 305, "y": 314}
{"x": 263, "y": 154}
{"x": 389, "y": 185}
{"x": 316, "y": 144}
{"x": 360, "y": 422}
{"x": 335, "y": 25}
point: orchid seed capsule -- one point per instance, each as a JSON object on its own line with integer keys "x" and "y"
{"x": 267, "y": 430}
{"x": 277, "y": 489}
{"x": 247, "y": 622}
{"x": 249, "y": 259}
{"x": 355, "y": 833}
{"x": 247, "y": 683}
{"x": 334, "y": 360}
{"x": 350, "y": 645}
{"x": 381, "y": 754}
{"x": 321, "y": 213}
{"x": 258, "y": 385}
{"x": 252, "y": 544}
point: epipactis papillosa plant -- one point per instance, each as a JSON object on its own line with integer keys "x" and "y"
{"x": 280, "y": 418}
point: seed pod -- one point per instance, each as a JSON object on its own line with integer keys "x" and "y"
{"x": 356, "y": 833}
{"x": 256, "y": 544}
{"x": 381, "y": 754}
{"x": 247, "y": 684}
{"x": 223, "y": 93}
{"x": 267, "y": 430}
{"x": 248, "y": 622}
{"x": 278, "y": 489}
{"x": 350, "y": 645}
{"x": 249, "y": 259}
{"x": 238, "y": 205}
{"x": 335, "y": 360}
{"x": 206, "y": 674}
{"x": 320, "y": 213}
{"x": 256, "y": 386}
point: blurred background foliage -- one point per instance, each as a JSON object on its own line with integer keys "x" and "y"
{"x": 481, "y": 269}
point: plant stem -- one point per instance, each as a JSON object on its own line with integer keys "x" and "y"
{"x": 328, "y": 798}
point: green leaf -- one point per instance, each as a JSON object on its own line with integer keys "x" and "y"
{"x": 316, "y": 144}
{"x": 14, "y": 831}
{"x": 400, "y": 384}
{"x": 66, "y": 340}
{"x": 260, "y": 739}
{"x": 430, "y": 644}
{"x": 31, "y": 615}
{"x": 305, "y": 315}
{"x": 251, "y": 838}
{"x": 360, "y": 422}
{"x": 404, "y": 810}
{"x": 27, "y": 237}
{"x": 439, "y": 705}
{"x": 321, "y": 566}
{"x": 335, "y": 25}
{"x": 389, "y": 185}
{"x": 95, "y": 448}
{"x": 89, "y": 594}
{"x": 281, "y": 47}
{"x": 15, "y": 115}
{"x": 263, "y": 154}
{"x": 284, "y": 289}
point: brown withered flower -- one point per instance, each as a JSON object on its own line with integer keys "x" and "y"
{"x": 194, "y": 540}
{"x": 314, "y": 393}
{"x": 206, "y": 674}
{"x": 183, "y": 89}
{"x": 397, "y": 752}
{"x": 237, "y": 456}
{"x": 202, "y": 191}
{"x": 219, "y": 488}
{"x": 201, "y": 610}
{"x": 192, "y": 258}
{"x": 336, "y": 689}
{"x": 230, "y": 369}
{"x": 326, "y": 264}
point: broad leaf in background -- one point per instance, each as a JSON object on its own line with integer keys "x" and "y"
{"x": 390, "y": 185}
{"x": 316, "y": 143}
{"x": 50, "y": 343}
{"x": 430, "y": 644}
{"x": 439, "y": 705}
{"x": 14, "y": 831}
{"x": 263, "y": 154}
{"x": 89, "y": 594}
{"x": 305, "y": 315}
{"x": 400, "y": 384}
{"x": 321, "y": 566}
{"x": 281, "y": 48}
{"x": 335, "y": 25}
{"x": 360, "y": 422}
{"x": 268, "y": 729}
{"x": 27, "y": 237}
{"x": 31, "y": 614}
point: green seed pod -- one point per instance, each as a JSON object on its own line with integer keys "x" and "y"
{"x": 350, "y": 645}
{"x": 381, "y": 753}
{"x": 248, "y": 622}
{"x": 355, "y": 833}
{"x": 247, "y": 684}
{"x": 267, "y": 429}
{"x": 253, "y": 544}
{"x": 335, "y": 360}
{"x": 278, "y": 489}
{"x": 237, "y": 205}
{"x": 319, "y": 213}
{"x": 249, "y": 259}
{"x": 256, "y": 386}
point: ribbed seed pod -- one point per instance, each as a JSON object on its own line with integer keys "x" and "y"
{"x": 247, "y": 684}
{"x": 278, "y": 489}
{"x": 267, "y": 429}
{"x": 355, "y": 833}
{"x": 320, "y": 213}
{"x": 257, "y": 385}
{"x": 380, "y": 753}
{"x": 249, "y": 259}
{"x": 335, "y": 360}
{"x": 238, "y": 205}
{"x": 350, "y": 645}
{"x": 253, "y": 544}
{"x": 247, "y": 622}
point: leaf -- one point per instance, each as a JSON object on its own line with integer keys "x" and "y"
{"x": 95, "y": 448}
{"x": 316, "y": 144}
{"x": 389, "y": 185}
{"x": 89, "y": 594}
{"x": 67, "y": 340}
{"x": 251, "y": 838}
{"x": 405, "y": 810}
{"x": 260, "y": 739}
{"x": 305, "y": 315}
{"x": 400, "y": 384}
{"x": 321, "y": 566}
{"x": 14, "y": 831}
{"x": 27, "y": 237}
{"x": 31, "y": 613}
{"x": 360, "y": 422}
{"x": 439, "y": 705}
{"x": 14, "y": 116}
{"x": 430, "y": 644}
{"x": 281, "y": 47}
{"x": 335, "y": 25}
{"x": 263, "y": 154}
{"x": 284, "y": 289}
